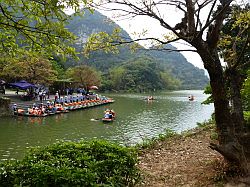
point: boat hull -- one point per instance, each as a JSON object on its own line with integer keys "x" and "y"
{"x": 107, "y": 119}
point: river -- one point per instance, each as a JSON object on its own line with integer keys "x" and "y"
{"x": 136, "y": 120}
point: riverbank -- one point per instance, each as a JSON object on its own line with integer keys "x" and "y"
{"x": 186, "y": 160}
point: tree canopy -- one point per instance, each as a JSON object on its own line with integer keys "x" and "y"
{"x": 31, "y": 67}
{"x": 142, "y": 74}
{"x": 35, "y": 25}
{"x": 84, "y": 76}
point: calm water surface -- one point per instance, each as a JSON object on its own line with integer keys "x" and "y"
{"x": 136, "y": 119}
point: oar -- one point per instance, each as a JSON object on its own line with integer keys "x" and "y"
{"x": 97, "y": 119}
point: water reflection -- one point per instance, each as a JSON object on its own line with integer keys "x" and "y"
{"x": 136, "y": 119}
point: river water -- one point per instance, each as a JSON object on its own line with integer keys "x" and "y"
{"x": 136, "y": 120}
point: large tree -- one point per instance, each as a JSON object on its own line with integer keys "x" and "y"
{"x": 84, "y": 76}
{"x": 30, "y": 67}
{"x": 37, "y": 25}
{"x": 203, "y": 35}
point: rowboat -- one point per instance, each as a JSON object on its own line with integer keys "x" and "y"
{"x": 109, "y": 116}
{"x": 191, "y": 98}
{"x": 108, "y": 119}
{"x": 30, "y": 115}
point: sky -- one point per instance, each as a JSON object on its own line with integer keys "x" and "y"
{"x": 153, "y": 28}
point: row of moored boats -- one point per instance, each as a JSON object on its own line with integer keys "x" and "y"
{"x": 51, "y": 108}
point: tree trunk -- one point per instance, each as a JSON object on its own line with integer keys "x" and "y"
{"x": 229, "y": 145}
{"x": 236, "y": 110}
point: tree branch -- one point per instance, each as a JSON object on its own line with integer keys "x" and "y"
{"x": 238, "y": 61}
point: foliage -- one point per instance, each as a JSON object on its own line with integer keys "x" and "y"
{"x": 141, "y": 75}
{"x": 59, "y": 68}
{"x": 116, "y": 77}
{"x": 233, "y": 44}
{"x": 169, "y": 82}
{"x": 208, "y": 91}
{"x": 150, "y": 142}
{"x": 207, "y": 124}
{"x": 235, "y": 49}
{"x": 31, "y": 67}
{"x": 84, "y": 75}
{"x": 246, "y": 93}
{"x": 247, "y": 118}
{"x": 37, "y": 25}
{"x": 102, "y": 40}
{"x": 93, "y": 163}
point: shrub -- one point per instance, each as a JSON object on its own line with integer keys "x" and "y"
{"x": 93, "y": 163}
{"x": 150, "y": 142}
{"x": 247, "y": 117}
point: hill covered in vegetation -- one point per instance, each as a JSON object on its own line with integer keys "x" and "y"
{"x": 174, "y": 63}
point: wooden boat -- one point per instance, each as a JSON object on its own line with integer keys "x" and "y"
{"x": 58, "y": 108}
{"x": 109, "y": 116}
{"x": 31, "y": 115}
{"x": 191, "y": 98}
{"x": 108, "y": 119}
{"x": 149, "y": 98}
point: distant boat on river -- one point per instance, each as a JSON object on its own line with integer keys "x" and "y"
{"x": 191, "y": 98}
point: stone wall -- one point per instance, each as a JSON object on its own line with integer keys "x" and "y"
{"x": 5, "y": 107}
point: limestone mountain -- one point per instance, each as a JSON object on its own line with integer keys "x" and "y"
{"x": 174, "y": 62}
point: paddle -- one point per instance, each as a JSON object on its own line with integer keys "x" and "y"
{"x": 97, "y": 119}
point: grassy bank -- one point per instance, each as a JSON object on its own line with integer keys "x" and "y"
{"x": 186, "y": 160}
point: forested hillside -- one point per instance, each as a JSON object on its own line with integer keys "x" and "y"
{"x": 174, "y": 63}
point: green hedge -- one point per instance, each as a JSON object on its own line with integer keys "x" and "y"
{"x": 92, "y": 163}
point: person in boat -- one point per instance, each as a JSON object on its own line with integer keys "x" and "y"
{"x": 65, "y": 100}
{"x": 191, "y": 98}
{"x": 61, "y": 100}
{"x": 34, "y": 107}
{"x": 48, "y": 107}
{"x": 150, "y": 97}
{"x": 107, "y": 115}
{"x": 17, "y": 110}
{"x": 112, "y": 113}
{"x": 56, "y": 97}
{"x": 14, "y": 108}
{"x": 41, "y": 109}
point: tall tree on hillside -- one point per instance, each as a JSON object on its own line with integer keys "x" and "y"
{"x": 84, "y": 76}
{"x": 204, "y": 37}
{"x": 36, "y": 25}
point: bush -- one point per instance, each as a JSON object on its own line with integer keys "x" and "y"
{"x": 93, "y": 163}
{"x": 150, "y": 142}
{"x": 247, "y": 117}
